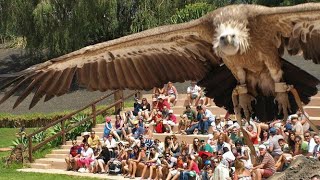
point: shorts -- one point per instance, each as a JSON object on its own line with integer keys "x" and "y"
{"x": 171, "y": 123}
{"x": 174, "y": 172}
{"x": 267, "y": 173}
{"x": 194, "y": 96}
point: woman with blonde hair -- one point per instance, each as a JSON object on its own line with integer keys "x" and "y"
{"x": 172, "y": 93}
{"x": 241, "y": 172}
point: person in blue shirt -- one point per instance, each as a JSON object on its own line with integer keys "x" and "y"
{"x": 137, "y": 131}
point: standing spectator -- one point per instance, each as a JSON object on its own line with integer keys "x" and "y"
{"x": 94, "y": 141}
{"x": 193, "y": 92}
{"x": 172, "y": 93}
{"x": 267, "y": 166}
{"x": 73, "y": 156}
{"x": 316, "y": 150}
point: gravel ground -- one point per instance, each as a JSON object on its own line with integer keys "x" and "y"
{"x": 10, "y": 61}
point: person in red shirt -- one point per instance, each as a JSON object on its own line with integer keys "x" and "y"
{"x": 170, "y": 121}
{"x": 74, "y": 154}
{"x": 162, "y": 102}
{"x": 253, "y": 135}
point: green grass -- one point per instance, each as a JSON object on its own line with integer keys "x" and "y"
{"x": 7, "y": 135}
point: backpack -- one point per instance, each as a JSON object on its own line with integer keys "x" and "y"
{"x": 160, "y": 128}
{"x": 115, "y": 167}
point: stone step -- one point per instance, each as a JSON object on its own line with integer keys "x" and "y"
{"x": 213, "y": 109}
{"x": 55, "y": 163}
{"x": 39, "y": 166}
{"x": 313, "y": 111}
{"x": 60, "y": 151}
{"x": 314, "y": 102}
{"x": 59, "y": 156}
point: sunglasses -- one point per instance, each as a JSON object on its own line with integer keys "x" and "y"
{"x": 196, "y": 141}
{"x": 219, "y": 154}
{"x": 306, "y": 136}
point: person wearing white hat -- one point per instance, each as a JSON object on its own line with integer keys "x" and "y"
{"x": 170, "y": 121}
{"x": 162, "y": 102}
{"x": 267, "y": 167}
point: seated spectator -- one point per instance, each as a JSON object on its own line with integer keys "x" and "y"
{"x": 316, "y": 150}
{"x": 301, "y": 147}
{"x": 159, "y": 146}
{"x": 86, "y": 157}
{"x": 193, "y": 92}
{"x": 311, "y": 143}
{"x": 252, "y": 135}
{"x": 109, "y": 129}
{"x": 266, "y": 168}
{"x": 234, "y": 135}
{"x": 137, "y": 131}
{"x": 191, "y": 114}
{"x": 285, "y": 158}
{"x": 102, "y": 160}
{"x": 156, "y": 92}
{"x": 303, "y": 120}
{"x": 170, "y": 121}
{"x": 154, "y": 104}
{"x": 191, "y": 171}
{"x": 174, "y": 146}
{"x": 264, "y": 137}
{"x": 85, "y": 136}
{"x": 194, "y": 148}
{"x": 140, "y": 158}
{"x": 151, "y": 163}
{"x": 207, "y": 172}
{"x": 94, "y": 141}
{"x": 73, "y": 156}
{"x": 223, "y": 141}
{"x": 241, "y": 173}
{"x": 119, "y": 126}
{"x": 145, "y": 109}
{"x": 148, "y": 134}
{"x": 203, "y": 121}
{"x": 297, "y": 126}
{"x": 243, "y": 154}
{"x": 136, "y": 106}
{"x": 172, "y": 93}
{"x": 274, "y": 146}
{"x": 162, "y": 102}
{"x": 183, "y": 123}
{"x": 111, "y": 144}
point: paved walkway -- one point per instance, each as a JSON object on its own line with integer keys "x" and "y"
{"x": 71, "y": 173}
{"x": 5, "y": 149}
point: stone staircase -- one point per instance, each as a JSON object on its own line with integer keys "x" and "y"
{"x": 55, "y": 160}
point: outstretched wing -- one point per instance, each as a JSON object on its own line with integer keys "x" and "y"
{"x": 139, "y": 61}
{"x": 295, "y": 28}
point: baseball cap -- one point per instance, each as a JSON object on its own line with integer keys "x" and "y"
{"x": 262, "y": 146}
{"x": 108, "y": 119}
{"x": 170, "y": 111}
{"x": 272, "y": 130}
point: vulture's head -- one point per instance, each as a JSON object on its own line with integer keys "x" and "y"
{"x": 231, "y": 38}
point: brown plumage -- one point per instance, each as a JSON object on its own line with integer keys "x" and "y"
{"x": 248, "y": 39}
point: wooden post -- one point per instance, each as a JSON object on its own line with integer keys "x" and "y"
{"x": 117, "y": 96}
{"x": 63, "y": 132}
{"x": 30, "y": 148}
{"x": 94, "y": 112}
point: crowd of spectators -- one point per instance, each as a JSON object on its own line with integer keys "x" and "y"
{"x": 128, "y": 147}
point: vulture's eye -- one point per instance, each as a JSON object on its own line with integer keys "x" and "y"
{"x": 233, "y": 36}
{"x": 222, "y": 38}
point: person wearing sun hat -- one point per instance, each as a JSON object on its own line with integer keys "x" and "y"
{"x": 137, "y": 131}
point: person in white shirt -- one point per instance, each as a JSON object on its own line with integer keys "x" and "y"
{"x": 111, "y": 144}
{"x": 86, "y": 157}
{"x": 193, "y": 92}
{"x": 311, "y": 142}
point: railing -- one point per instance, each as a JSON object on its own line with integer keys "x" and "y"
{"x": 119, "y": 101}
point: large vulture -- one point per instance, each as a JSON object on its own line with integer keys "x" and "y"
{"x": 237, "y": 48}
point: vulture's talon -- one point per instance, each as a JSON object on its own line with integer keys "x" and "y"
{"x": 283, "y": 103}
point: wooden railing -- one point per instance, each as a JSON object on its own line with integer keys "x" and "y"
{"x": 119, "y": 101}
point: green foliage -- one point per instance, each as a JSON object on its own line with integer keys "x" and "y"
{"x": 79, "y": 129}
{"x": 191, "y": 11}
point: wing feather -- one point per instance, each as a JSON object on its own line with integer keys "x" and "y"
{"x": 299, "y": 25}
